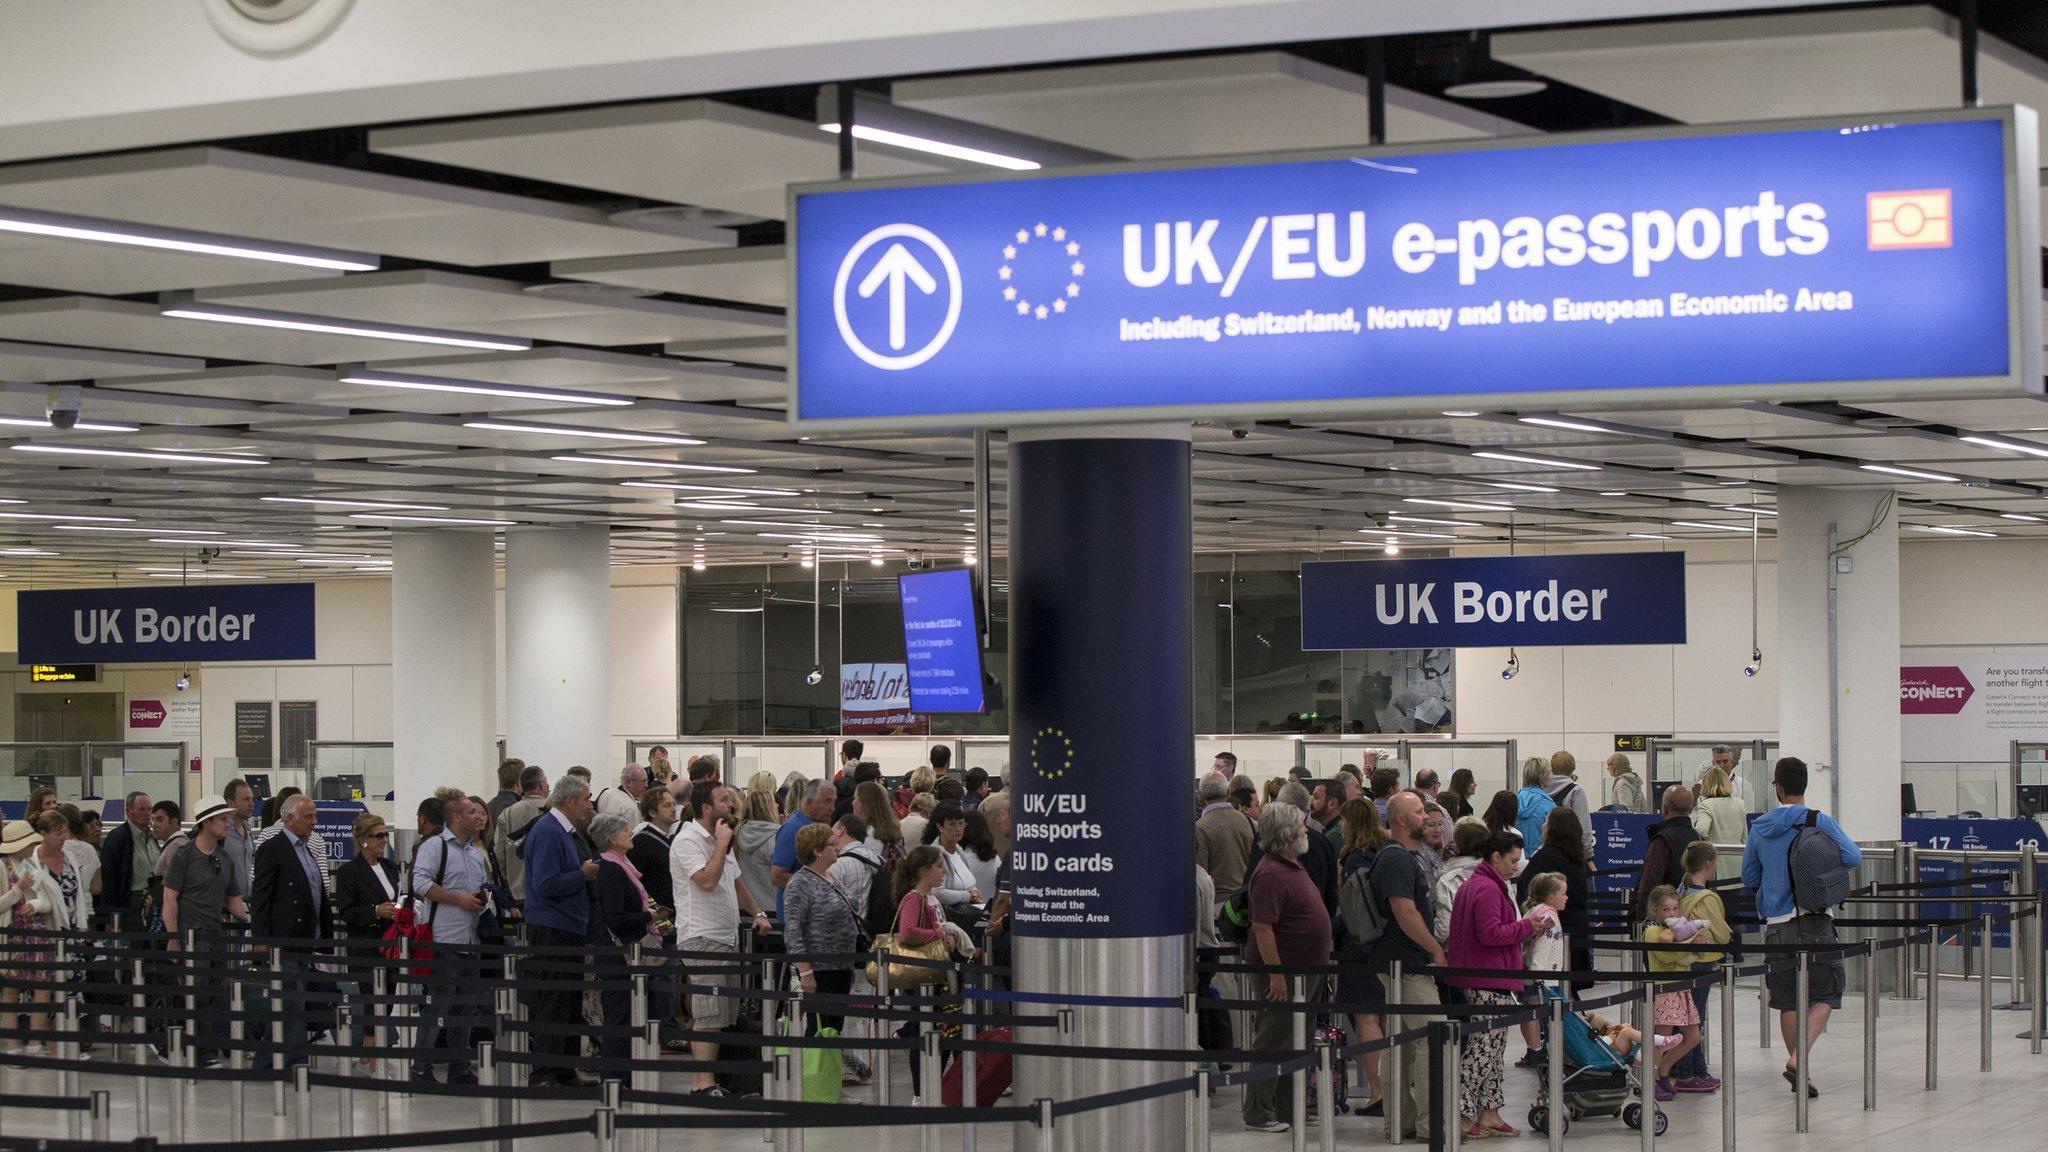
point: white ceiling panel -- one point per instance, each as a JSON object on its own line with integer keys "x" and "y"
{"x": 273, "y": 384}
{"x": 1769, "y": 67}
{"x": 770, "y": 351}
{"x": 683, "y": 151}
{"x": 430, "y": 297}
{"x": 2016, "y": 414}
{"x": 126, "y": 324}
{"x": 244, "y": 194}
{"x": 600, "y": 371}
{"x": 1251, "y": 102}
{"x": 755, "y": 275}
{"x": 42, "y": 363}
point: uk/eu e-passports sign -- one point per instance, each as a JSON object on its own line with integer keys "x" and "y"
{"x": 1494, "y": 602}
{"x": 1800, "y": 260}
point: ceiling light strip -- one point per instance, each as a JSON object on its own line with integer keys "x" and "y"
{"x": 138, "y": 454}
{"x": 1537, "y": 461}
{"x": 1910, "y": 473}
{"x": 477, "y": 388}
{"x": 581, "y": 433}
{"x": 936, "y": 147}
{"x": 64, "y": 226}
{"x": 187, "y": 309}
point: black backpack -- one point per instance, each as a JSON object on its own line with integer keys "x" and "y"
{"x": 1814, "y": 868}
{"x": 878, "y": 916}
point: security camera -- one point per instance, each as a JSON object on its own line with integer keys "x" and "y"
{"x": 1756, "y": 662}
{"x": 914, "y": 561}
{"x": 183, "y": 682}
{"x": 208, "y": 554}
{"x": 815, "y": 676}
{"x": 1514, "y": 666}
{"x": 62, "y": 404}
{"x": 1240, "y": 433}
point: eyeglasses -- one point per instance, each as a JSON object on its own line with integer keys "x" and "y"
{"x": 378, "y": 836}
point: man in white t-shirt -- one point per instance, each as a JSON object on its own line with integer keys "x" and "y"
{"x": 709, "y": 897}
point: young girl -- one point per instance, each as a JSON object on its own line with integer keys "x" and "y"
{"x": 1698, "y": 901}
{"x": 1675, "y": 1010}
{"x": 1546, "y": 949}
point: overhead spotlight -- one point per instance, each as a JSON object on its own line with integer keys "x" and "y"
{"x": 696, "y": 565}
{"x": 1514, "y": 666}
{"x": 1756, "y": 662}
{"x": 815, "y": 676}
{"x": 875, "y": 560}
{"x": 1393, "y": 548}
{"x": 805, "y": 562}
{"x": 183, "y": 682}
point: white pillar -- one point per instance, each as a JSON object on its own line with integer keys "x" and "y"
{"x": 558, "y": 642}
{"x": 444, "y": 652}
{"x": 1860, "y": 742}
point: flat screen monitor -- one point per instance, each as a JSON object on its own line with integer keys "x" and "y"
{"x": 941, "y": 640}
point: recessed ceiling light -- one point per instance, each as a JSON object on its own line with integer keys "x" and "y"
{"x": 339, "y": 502}
{"x": 1512, "y": 487}
{"x": 1459, "y": 413}
{"x": 139, "y": 454}
{"x": 1649, "y": 536}
{"x": 582, "y": 433}
{"x": 840, "y": 537}
{"x": 936, "y": 147}
{"x": 1705, "y": 524}
{"x": 200, "y": 574}
{"x": 1910, "y": 473}
{"x": 1571, "y": 425}
{"x": 629, "y": 462}
{"x": 1407, "y": 519}
{"x": 57, "y": 516}
{"x": 721, "y": 506}
{"x": 28, "y": 552}
{"x": 186, "y": 309}
{"x": 1404, "y": 532}
{"x": 326, "y": 563}
{"x": 113, "y": 528}
{"x": 1539, "y": 461}
{"x": 1950, "y": 530}
{"x": 696, "y": 565}
{"x": 396, "y": 518}
{"x": 1461, "y": 505}
{"x": 1495, "y": 89}
{"x": 81, "y": 426}
{"x": 672, "y": 486}
{"x": 2004, "y": 445}
{"x": 476, "y": 388}
{"x": 2019, "y": 516}
{"x": 736, "y": 610}
{"x": 65, "y": 226}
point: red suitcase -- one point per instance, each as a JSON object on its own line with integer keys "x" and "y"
{"x": 991, "y": 1073}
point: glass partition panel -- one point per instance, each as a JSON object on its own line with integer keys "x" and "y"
{"x": 900, "y": 755}
{"x": 26, "y": 767}
{"x": 991, "y": 755}
{"x": 351, "y": 770}
{"x": 1959, "y": 788}
{"x": 2029, "y": 771}
{"x": 1324, "y": 757}
{"x": 1491, "y": 763}
{"x": 1686, "y": 761}
{"x": 158, "y": 769}
{"x": 781, "y": 757}
{"x": 681, "y": 750}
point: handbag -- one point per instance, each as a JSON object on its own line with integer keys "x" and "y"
{"x": 903, "y": 977}
{"x": 404, "y": 926}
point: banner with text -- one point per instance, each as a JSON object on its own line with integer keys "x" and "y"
{"x": 1968, "y": 707}
{"x": 167, "y": 624}
{"x": 1493, "y": 602}
{"x": 1781, "y": 260}
{"x": 875, "y": 698}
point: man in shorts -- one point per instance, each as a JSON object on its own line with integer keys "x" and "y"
{"x": 1767, "y": 863}
{"x": 709, "y": 897}
{"x": 199, "y": 886}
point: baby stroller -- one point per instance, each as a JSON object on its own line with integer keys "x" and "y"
{"x": 1598, "y": 1081}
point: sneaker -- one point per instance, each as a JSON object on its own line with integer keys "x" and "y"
{"x": 1267, "y": 1126}
{"x": 715, "y": 1092}
{"x": 1697, "y": 1084}
{"x": 1376, "y": 1108}
{"x": 34, "y": 1049}
{"x": 1534, "y": 1058}
{"x": 1665, "y": 1041}
{"x": 1665, "y": 1089}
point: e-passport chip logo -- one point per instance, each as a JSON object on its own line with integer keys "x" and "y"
{"x": 1917, "y": 219}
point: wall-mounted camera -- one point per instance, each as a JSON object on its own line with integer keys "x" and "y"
{"x": 915, "y": 561}
{"x": 62, "y": 404}
{"x": 208, "y": 554}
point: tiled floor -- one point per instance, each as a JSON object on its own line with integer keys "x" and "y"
{"x": 1973, "y": 1112}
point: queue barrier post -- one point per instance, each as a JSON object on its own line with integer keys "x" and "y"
{"x": 1984, "y": 1000}
{"x": 878, "y": 1058}
{"x": 1452, "y": 1131}
{"x": 135, "y": 1001}
{"x": 102, "y": 1116}
{"x": 1067, "y": 1037}
{"x": 970, "y": 1065}
{"x": 1394, "y": 1090}
{"x": 67, "y": 1080}
{"x": 1646, "y": 1091}
{"x": 1727, "y": 1053}
{"x": 604, "y": 1128}
{"x": 1553, "y": 1076}
{"x": 929, "y": 1080}
{"x": 2037, "y": 968}
{"x": 1903, "y": 870}
{"x": 1803, "y": 1040}
{"x": 1198, "y": 1132}
{"x": 1933, "y": 1012}
{"x": 1045, "y": 1122}
{"x": 649, "y": 1138}
{"x": 1870, "y": 1031}
{"x": 769, "y": 1022}
{"x": 2024, "y": 988}
{"x": 302, "y": 1098}
{"x": 1763, "y": 1007}
{"x": 487, "y": 1074}
{"x": 381, "y": 1068}
{"x": 178, "y": 1056}
{"x": 276, "y": 990}
{"x": 510, "y": 1110}
{"x": 1326, "y": 1104}
{"x": 1297, "y": 1081}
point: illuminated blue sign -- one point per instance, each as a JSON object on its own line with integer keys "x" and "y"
{"x": 941, "y": 641}
{"x": 166, "y": 624}
{"x": 1494, "y": 601}
{"x": 1808, "y": 260}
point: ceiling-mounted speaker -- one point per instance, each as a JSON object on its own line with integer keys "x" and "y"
{"x": 275, "y": 27}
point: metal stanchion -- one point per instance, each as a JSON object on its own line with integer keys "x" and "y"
{"x": 1045, "y": 1121}
{"x": 67, "y": 1080}
{"x": 1326, "y": 1104}
{"x": 1902, "y": 961}
{"x": 1453, "y": 1131}
{"x": 302, "y": 1099}
{"x": 1553, "y": 1076}
{"x": 497, "y": 1074}
{"x": 1392, "y": 1079}
{"x": 178, "y": 1060}
{"x": 1727, "y": 1053}
{"x": 1803, "y": 1041}
{"x": 1297, "y": 1081}
{"x": 770, "y": 1010}
{"x": 1933, "y": 1012}
{"x": 1870, "y": 1029}
{"x": 276, "y": 989}
{"x": 649, "y": 1139}
{"x": 1066, "y": 1023}
{"x": 878, "y": 1058}
{"x": 970, "y": 1064}
{"x": 2037, "y": 966}
{"x": 1646, "y": 1023}
{"x": 381, "y": 1067}
{"x": 1198, "y": 1132}
{"x": 604, "y": 1127}
{"x": 136, "y": 1002}
{"x": 143, "y": 1112}
{"x": 934, "y": 1093}
{"x": 1763, "y": 1007}
{"x": 2024, "y": 989}
{"x": 637, "y": 1015}
{"x": 487, "y": 1075}
{"x": 1984, "y": 1001}
{"x": 102, "y": 1116}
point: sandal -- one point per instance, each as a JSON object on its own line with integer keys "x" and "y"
{"x": 1477, "y": 1131}
{"x": 1503, "y": 1129}
{"x": 1792, "y": 1078}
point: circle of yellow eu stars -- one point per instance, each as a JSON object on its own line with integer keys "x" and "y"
{"x": 1061, "y": 747}
{"x": 1076, "y": 269}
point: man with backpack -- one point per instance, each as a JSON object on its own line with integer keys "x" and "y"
{"x": 1564, "y": 791}
{"x": 1797, "y": 863}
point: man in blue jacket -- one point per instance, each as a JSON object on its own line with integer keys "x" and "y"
{"x": 560, "y": 874}
{"x": 1767, "y": 871}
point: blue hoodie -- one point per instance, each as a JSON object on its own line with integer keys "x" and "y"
{"x": 1532, "y": 807}
{"x": 1764, "y": 857}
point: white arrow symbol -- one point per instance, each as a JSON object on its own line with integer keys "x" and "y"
{"x": 895, "y": 266}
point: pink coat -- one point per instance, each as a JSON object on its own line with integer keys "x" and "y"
{"x": 1486, "y": 932}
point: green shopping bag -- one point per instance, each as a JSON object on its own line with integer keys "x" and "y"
{"x": 821, "y": 1072}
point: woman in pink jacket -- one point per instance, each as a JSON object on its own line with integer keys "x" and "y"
{"x": 1486, "y": 933}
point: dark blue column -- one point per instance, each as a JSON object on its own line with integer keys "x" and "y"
{"x": 1102, "y": 753}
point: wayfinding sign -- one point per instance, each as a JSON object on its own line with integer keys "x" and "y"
{"x": 167, "y": 624}
{"x": 1807, "y": 259}
{"x": 1494, "y": 601}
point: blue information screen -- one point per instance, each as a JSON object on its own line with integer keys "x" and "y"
{"x": 941, "y": 641}
{"x": 1494, "y": 601}
{"x": 1679, "y": 264}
